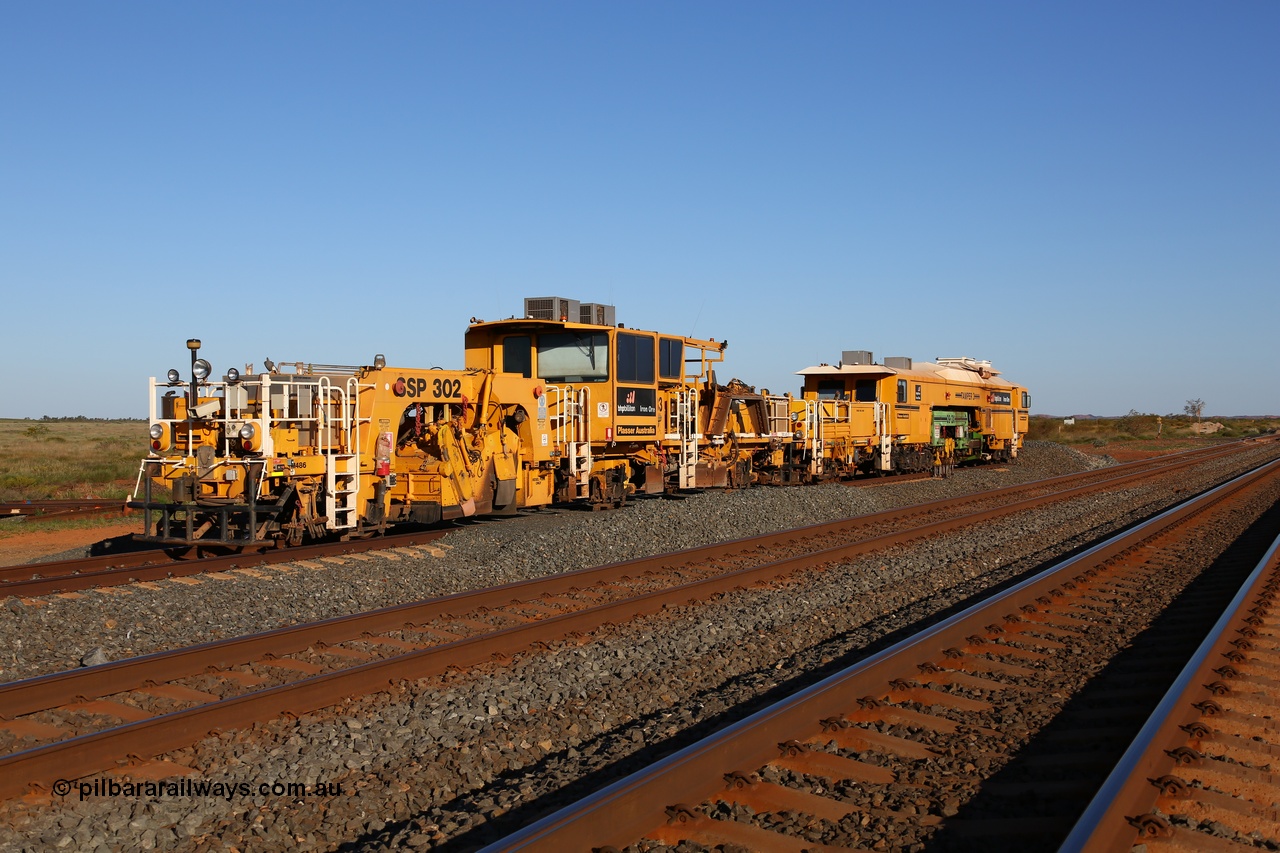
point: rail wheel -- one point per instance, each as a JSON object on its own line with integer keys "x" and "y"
{"x": 608, "y": 491}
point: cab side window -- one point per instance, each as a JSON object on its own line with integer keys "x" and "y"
{"x": 830, "y": 389}
{"x": 902, "y": 390}
{"x": 635, "y": 359}
{"x": 670, "y": 358}
{"x": 517, "y": 355}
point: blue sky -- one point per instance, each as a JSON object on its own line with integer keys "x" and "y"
{"x": 1086, "y": 194}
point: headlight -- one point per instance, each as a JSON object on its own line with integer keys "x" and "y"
{"x": 248, "y": 431}
{"x": 174, "y": 376}
{"x": 159, "y": 434}
{"x": 201, "y": 369}
{"x": 233, "y": 375}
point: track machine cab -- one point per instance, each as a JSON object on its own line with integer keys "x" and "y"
{"x": 628, "y": 410}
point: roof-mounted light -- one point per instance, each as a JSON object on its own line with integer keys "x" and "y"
{"x": 173, "y": 376}
{"x": 200, "y": 368}
{"x": 233, "y": 376}
{"x": 379, "y": 361}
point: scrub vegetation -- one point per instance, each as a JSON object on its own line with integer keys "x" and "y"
{"x": 1139, "y": 428}
{"x": 59, "y": 459}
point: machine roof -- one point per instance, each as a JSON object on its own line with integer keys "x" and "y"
{"x": 953, "y": 370}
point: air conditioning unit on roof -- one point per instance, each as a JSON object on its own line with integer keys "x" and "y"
{"x": 552, "y": 308}
{"x": 856, "y": 356}
{"x": 600, "y": 315}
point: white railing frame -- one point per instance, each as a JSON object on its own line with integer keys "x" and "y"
{"x": 687, "y": 427}
{"x": 573, "y": 430}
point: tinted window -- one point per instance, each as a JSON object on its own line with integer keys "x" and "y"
{"x": 865, "y": 391}
{"x": 635, "y": 358}
{"x": 517, "y": 356}
{"x": 670, "y": 358}
{"x": 902, "y": 390}
{"x": 830, "y": 389}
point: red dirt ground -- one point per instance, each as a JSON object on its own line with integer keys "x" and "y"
{"x": 1132, "y": 451}
{"x": 23, "y": 547}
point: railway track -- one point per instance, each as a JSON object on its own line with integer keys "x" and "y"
{"x": 74, "y": 723}
{"x": 55, "y": 576}
{"x": 63, "y": 509}
{"x": 35, "y": 579}
{"x": 1201, "y": 768}
{"x": 992, "y": 728}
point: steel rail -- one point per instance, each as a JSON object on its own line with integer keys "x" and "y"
{"x": 52, "y": 570}
{"x": 1161, "y": 765}
{"x": 92, "y": 572}
{"x": 623, "y": 812}
{"x": 48, "y": 509}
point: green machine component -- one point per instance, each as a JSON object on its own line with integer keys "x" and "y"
{"x": 955, "y": 424}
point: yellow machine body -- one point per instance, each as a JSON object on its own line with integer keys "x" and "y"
{"x": 553, "y": 406}
{"x": 632, "y": 410}
{"x": 898, "y": 415}
{"x": 306, "y": 451}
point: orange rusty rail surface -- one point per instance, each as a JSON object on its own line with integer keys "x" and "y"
{"x": 1207, "y": 754}
{"x": 672, "y": 801}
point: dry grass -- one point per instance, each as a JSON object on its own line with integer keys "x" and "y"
{"x": 43, "y": 460}
{"x": 1140, "y": 428}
